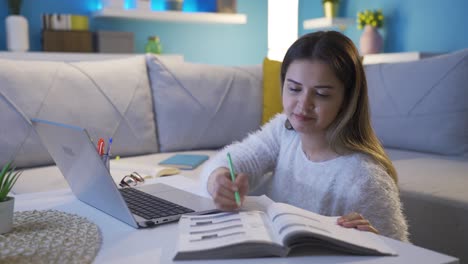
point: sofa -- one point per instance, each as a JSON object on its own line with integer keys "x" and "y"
{"x": 153, "y": 107}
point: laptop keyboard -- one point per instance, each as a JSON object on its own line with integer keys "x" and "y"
{"x": 149, "y": 206}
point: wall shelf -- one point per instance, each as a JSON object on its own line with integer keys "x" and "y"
{"x": 76, "y": 56}
{"x": 173, "y": 16}
{"x": 327, "y": 23}
{"x": 397, "y": 57}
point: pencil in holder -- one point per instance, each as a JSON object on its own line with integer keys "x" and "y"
{"x": 106, "y": 160}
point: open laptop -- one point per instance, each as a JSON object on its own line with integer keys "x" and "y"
{"x": 77, "y": 158}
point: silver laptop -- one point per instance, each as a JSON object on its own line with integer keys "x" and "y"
{"x": 77, "y": 158}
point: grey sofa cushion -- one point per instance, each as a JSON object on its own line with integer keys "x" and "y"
{"x": 203, "y": 106}
{"x": 421, "y": 105}
{"x": 109, "y": 98}
{"x": 435, "y": 201}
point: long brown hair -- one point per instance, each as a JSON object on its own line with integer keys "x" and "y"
{"x": 351, "y": 130}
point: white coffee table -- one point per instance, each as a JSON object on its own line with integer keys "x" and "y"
{"x": 124, "y": 244}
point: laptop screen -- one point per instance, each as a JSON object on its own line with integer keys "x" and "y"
{"x": 77, "y": 159}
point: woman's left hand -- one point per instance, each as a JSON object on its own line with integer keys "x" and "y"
{"x": 355, "y": 220}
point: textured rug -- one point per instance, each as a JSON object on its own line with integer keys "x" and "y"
{"x": 50, "y": 236}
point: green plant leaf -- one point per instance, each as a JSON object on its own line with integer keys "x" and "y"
{"x": 8, "y": 178}
{"x": 14, "y": 6}
{"x": 4, "y": 171}
{"x": 14, "y": 178}
{"x": 373, "y": 18}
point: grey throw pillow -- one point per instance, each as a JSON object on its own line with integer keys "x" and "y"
{"x": 421, "y": 105}
{"x": 203, "y": 106}
{"x": 109, "y": 98}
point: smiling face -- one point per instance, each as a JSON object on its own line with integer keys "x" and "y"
{"x": 312, "y": 96}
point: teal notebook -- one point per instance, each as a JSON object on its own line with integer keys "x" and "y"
{"x": 184, "y": 161}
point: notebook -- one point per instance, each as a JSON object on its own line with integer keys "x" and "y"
{"x": 90, "y": 181}
{"x": 184, "y": 161}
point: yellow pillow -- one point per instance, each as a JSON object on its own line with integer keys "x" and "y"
{"x": 272, "y": 103}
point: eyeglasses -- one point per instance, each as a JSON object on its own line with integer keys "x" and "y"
{"x": 131, "y": 180}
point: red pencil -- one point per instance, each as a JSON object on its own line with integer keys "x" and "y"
{"x": 100, "y": 147}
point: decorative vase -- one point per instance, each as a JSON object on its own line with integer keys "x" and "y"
{"x": 330, "y": 9}
{"x": 6, "y": 215}
{"x": 17, "y": 33}
{"x": 371, "y": 41}
{"x": 153, "y": 45}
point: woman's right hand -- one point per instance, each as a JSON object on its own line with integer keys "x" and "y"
{"x": 222, "y": 189}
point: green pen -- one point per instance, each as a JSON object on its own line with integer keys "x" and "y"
{"x": 233, "y": 178}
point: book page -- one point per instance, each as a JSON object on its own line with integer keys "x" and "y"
{"x": 256, "y": 203}
{"x": 292, "y": 223}
{"x": 286, "y": 218}
{"x": 205, "y": 232}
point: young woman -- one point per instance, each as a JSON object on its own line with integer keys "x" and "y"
{"x": 322, "y": 150}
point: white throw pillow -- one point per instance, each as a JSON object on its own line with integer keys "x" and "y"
{"x": 109, "y": 98}
{"x": 421, "y": 105}
{"x": 203, "y": 106}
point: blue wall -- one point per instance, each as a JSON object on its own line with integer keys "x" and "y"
{"x": 204, "y": 43}
{"x": 416, "y": 25}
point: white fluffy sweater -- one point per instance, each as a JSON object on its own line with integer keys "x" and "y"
{"x": 351, "y": 183}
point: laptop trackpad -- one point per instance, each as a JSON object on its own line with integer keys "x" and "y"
{"x": 177, "y": 196}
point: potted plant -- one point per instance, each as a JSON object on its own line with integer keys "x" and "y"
{"x": 370, "y": 20}
{"x": 14, "y": 6}
{"x": 373, "y": 18}
{"x": 8, "y": 178}
{"x": 330, "y": 8}
{"x": 17, "y": 30}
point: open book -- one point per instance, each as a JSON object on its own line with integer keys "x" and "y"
{"x": 274, "y": 231}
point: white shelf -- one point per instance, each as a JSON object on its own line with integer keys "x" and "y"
{"x": 396, "y": 57}
{"x": 173, "y": 16}
{"x": 76, "y": 56}
{"x": 327, "y": 23}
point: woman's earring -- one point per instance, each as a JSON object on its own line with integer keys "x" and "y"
{"x": 288, "y": 125}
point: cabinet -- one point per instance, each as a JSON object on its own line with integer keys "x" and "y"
{"x": 67, "y": 41}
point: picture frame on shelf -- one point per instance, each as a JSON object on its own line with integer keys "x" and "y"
{"x": 174, "y": 5}
{"x": 226, "y": 6}
{"x": 112, "y": 4}
{"x": 143, "y": 5}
